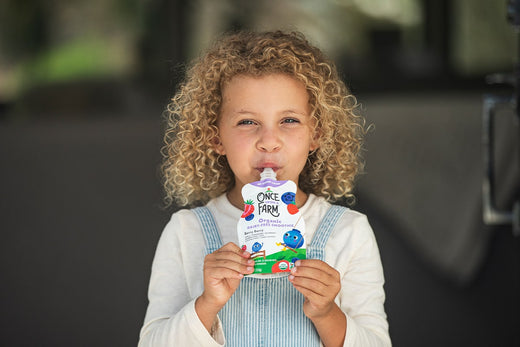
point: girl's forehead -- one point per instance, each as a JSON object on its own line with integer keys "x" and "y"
{"x": 238, "y": 83}
{"x": 243, "y": 78}
{"x": 276, "y": 84}
{"x": 256, "y": 76}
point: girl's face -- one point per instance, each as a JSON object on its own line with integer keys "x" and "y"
{"x": 265, "y": 122}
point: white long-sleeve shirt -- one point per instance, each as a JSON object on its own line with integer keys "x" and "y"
{"x": 177, "y": 276}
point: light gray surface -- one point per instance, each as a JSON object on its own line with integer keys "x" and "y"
{"x": 424, "y": 171}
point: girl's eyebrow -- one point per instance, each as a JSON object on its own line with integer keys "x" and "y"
{"x": 285, "y": 112}
{"x": 291, "y": 111}
{"x": 242, "y": 112}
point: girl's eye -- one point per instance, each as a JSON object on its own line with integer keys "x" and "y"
{"x": 291, "y": 120}
{"x": 246, "y": 122}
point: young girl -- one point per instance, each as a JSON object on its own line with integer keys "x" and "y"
{"x": 259, "y": 100}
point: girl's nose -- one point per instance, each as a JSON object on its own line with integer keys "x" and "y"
{"x": 269, "y": 140}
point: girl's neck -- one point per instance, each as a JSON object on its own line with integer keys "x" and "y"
{"x": 235, "y": 198}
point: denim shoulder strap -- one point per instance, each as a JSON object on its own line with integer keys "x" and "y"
{"x": 209, "y": 229}
{"x": 316, "y": 249}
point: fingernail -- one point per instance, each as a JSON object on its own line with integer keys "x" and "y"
{"x": 291, "y": 277}
{"x": 249, "y": 268}
{"x": 297, "y": 263}
{"x": 250, "y": 261}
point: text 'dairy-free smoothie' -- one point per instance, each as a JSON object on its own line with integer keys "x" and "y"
{"x": 271, "y": 227}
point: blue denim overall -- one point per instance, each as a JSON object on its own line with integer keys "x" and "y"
{"x": 268, "y": 312}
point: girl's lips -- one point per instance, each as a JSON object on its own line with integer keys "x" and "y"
{"x": 272, "y": 166}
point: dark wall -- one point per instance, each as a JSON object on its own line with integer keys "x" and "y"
{"x": 81, "y": 215}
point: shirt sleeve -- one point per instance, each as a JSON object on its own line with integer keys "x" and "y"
{"x": 171, "y": 319}
{"x": 362, "y": 295}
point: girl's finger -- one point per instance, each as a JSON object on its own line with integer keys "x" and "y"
{"x": 231, "y": 247}
{"x": 316, "y": 264}
{"x": 220, "y": 273}
{"x": 315, "y": 275}
{"x": 309, "y": 294}
{"x": 220, "y": 255}
{"x": 227, "y": 255}
{"x": 320, "y": 288}
{"x": 244, "y": 267}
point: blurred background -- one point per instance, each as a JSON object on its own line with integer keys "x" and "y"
{"x": 82, "y": 89}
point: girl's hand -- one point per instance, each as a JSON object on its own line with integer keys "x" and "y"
{"x": 319, "y": 283}
{"x": 223, "y": 270}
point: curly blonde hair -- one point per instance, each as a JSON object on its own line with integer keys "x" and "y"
{"x": 193, "y": 172}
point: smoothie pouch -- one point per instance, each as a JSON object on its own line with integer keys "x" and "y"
{"x": 271, "y": 227}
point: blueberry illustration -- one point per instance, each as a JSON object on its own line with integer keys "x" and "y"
{"x": 288, "y": 198}
{"x": 248, "y": 218}
{"x": 293, "y": 238}
{"x": 257, "y": 246}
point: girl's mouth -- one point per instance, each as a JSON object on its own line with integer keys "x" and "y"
{"x": 268, "y": 165}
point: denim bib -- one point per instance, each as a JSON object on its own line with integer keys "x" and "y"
{"x": 268, "y": 312}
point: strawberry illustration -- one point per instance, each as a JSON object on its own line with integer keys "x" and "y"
{"x": 289, "y": 198}
{"x": 292, "y": 208}
{"x": 248, "y": 210}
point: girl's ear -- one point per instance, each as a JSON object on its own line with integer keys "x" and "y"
{"x": 315, "y": 141}
{"x": 217, "y": 145}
